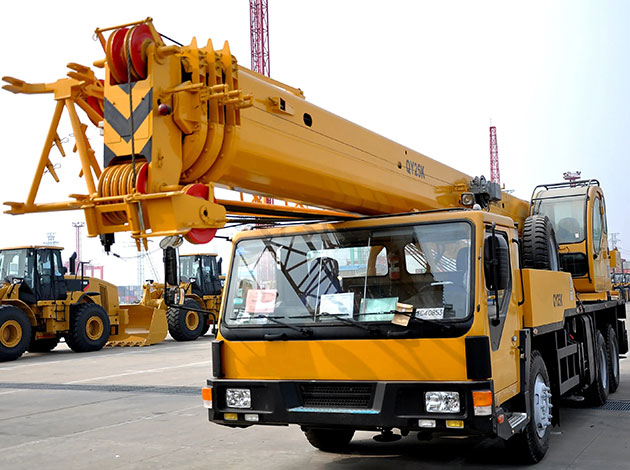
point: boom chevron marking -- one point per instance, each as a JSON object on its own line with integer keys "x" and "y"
{"x": 120, "y": 123}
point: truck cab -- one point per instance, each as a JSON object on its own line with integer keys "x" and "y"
{"x": 413, "y": 322}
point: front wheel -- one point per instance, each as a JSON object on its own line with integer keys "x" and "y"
{"x": 89, "y": 328}
{"x": 185, "y": 325}
{"x": 329, "y": 440}
{"x": 532, "y": 443}
{"x": 15, "y": 332}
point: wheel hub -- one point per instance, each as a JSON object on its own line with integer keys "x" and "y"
{"x": 542, "y": 406}
{"x": 94, "y": 328}
{"x": 192, "y": 320}
{"x": 10, "y": 333}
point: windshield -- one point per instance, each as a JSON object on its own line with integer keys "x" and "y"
{"x": 352, "y": 277}
{"x": 13, "y": 264}
{"x": 567, "y": 216}
{"x": 190, "y": 269}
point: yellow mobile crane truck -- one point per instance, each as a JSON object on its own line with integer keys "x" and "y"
{"x": 437, "y": 305}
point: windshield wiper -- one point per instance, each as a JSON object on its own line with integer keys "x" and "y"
{"x": 305, "y": 331}
{"x": 348, "y": 321}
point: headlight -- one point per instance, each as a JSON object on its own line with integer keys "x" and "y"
{"x": 238, "y": 398}
{"x": 441, "y": 402}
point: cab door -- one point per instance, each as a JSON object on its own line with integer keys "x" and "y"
{"x": 600, "y": 255}
{"x": 59, "y": 286}
{"x": 503, "y": 320}
{"x": 44, "y": 275}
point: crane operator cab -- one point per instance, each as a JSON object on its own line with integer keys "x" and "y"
{"x": 577, "y": 212}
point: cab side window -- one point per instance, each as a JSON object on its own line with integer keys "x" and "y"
{"x": 502, "y": 299}
{"x": 597, "y": 225}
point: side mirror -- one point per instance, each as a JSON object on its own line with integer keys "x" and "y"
{"x": 219, "y": 263}
{"x": 496, "y": 263}
{"x": 73, "y": 263}
{"x": 171, "y": 274}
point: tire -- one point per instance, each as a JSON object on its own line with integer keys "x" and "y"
{"x": 42, "y": 345}
{"x": 184, "y": 325}
{"x": 612, "y": 350}
{"x": 89, "y": 328}
{"x": 15, "y": 332}
{"x": 329, "y": 440}
{"x": 597, "y": 393}
{"x": 540, "y": 250}
{"x": 532, "y": 443}
{"x": 206, "y": 325}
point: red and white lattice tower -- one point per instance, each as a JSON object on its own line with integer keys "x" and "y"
{"x": 494, "y": 156}
{"x": 259, "y": 35}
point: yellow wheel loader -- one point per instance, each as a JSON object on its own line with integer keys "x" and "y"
{"x": 199, "y": 296}
{"x": 40, "y": 304}
{"x": 201, "y": 280}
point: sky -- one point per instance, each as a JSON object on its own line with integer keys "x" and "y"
{"x": 552, "y": 76}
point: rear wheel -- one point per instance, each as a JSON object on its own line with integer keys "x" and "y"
{"x": 42, "y": 345}
{"x": 597, "y": 392}
{"x": 15, "y": 332}
{"x": 329, "y": 440}
{"x": 185, "y": 325}
{"x": 612, "y": 349}
{"x": 532, "y": 443}
{"x": 540, "y": 250}
{"x": 89, "y": 328}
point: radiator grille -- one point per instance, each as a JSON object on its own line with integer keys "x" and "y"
{"x": 336, "y": 396}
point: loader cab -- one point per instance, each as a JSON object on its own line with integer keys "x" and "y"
{"x": 578, "y": 214}
{"x": 203, "y": 271}
{"x": 38, "y": 271}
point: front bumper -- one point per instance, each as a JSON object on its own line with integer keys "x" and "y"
{"x": 356, "y": 405}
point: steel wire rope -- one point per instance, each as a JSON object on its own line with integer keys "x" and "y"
{"x": 131, "y": 124}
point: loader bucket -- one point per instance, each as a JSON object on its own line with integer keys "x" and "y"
{"x": 141, "y": 326}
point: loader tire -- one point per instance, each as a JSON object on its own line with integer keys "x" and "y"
{"x": 185, "y": 325}
{"x": 206, "y": 325}
{"x": 89, "y": 328}
{"x": 597, "y": 393}
{"x": 540, "y": 250}
{"x": 612, "y": 349}
{"x": 42, "y": 345}
{"x": 532, "y": 443}
{"x": 329, "y": 440}
{"x": 15, "y": 332}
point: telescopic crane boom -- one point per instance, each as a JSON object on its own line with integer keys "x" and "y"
{"x": 179, "y": 121}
